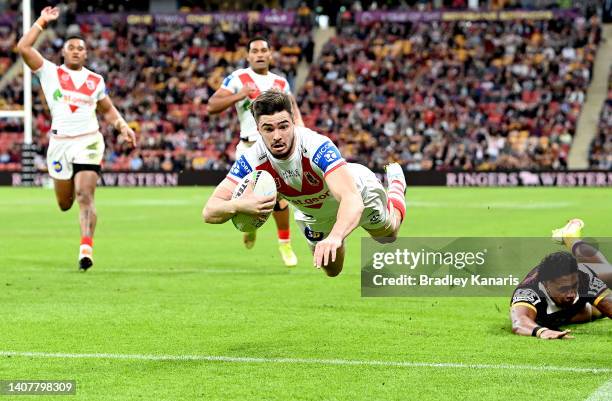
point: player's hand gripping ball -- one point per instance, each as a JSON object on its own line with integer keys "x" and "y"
{"x": 260, "y": 183}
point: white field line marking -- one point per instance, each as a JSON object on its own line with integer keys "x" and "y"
{"x": 342, "y": 362}
{"x": 603, "y": 393}
{"x": 492, "y": 205}
{"x": 280, "y": 271}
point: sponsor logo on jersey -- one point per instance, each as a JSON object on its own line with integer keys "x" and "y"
{"x": 241, "y": 167}
{"x": 314, "y": 202}
{"x": 57, "y": 166}
{"x": 290, "y": 173}
{"x": 313, "y": 236}
{"x": 57, "y": 95}
{"x": 526, "y": 295}
{"x": 326, "y": 155}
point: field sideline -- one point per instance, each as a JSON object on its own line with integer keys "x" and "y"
{"x": 177, "y": 310}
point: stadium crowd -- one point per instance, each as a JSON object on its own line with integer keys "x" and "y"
{"x": 161, "y": 78}
{"x": 601, "y": 147}
{"x": 454, "y": 95}
{"x": 450, "y": 95}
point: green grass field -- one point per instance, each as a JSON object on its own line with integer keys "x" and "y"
{"x": 165, "y": 284}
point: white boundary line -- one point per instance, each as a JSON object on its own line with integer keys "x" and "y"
{"x": 603, "y": 393}
{"x": 341, "y": 362}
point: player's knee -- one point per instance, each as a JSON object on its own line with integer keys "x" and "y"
{"x": 84, "y": 198}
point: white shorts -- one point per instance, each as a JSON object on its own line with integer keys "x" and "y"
{"x": 64, "y": 152}
{"x": 375, "y": 214}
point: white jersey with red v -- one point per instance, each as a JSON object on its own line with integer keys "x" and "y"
{"x": 72, "y": 97}
{"x": 301, "y": 178}
{"x": 261, "y": 82}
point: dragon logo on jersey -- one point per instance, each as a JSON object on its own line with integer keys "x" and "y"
{"x": 90, "y": 84}
{"x": 312, "y": 180}
{"x": 57, "y": 166}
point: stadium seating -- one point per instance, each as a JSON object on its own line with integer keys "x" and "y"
{"x": 161, "y": 80}
{"x": 601, "y": 147}
{"x": 444, "y": 96}
{"x": 454, "y": 95}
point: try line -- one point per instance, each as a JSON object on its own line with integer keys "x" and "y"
{"x": 341, "y": 362}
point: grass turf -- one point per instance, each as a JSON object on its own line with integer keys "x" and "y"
{"x": 164, "y": 283}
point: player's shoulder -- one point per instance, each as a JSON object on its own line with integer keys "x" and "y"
{"x": 236, "y": 73}
{"x": 47, "y": 65}
{"x": 277, "y": 76}
{"x": 527, "y": 295}
{"x": 310, "y": 139}
{"x": 256, "y": 154}
{"x": 90, "y": 72}
{"x": 592, "y": 284}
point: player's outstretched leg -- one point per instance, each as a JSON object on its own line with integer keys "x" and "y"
{"x": 64, "y": 193}
{"x": 570, "y": 235}
{"x": 85, "y": 186}
{"x": 281, "y": 217}
{"x": 396, "y": 204}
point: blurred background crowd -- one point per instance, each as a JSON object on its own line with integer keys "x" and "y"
{"x": 435, "y": 95}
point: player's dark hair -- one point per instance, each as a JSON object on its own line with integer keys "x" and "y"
{"x": 79, "y": 37}
{"x": 271, "y": 102}
{"x": 557, "y": 264}
{"x": 255, "y": 39}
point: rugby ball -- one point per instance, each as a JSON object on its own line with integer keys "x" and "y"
{"x": 263, "y": 184}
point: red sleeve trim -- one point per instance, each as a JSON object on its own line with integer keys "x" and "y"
{"x": 333, "y": 168}
{"x": 232, "y": 179}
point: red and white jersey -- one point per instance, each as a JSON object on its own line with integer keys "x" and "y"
{"x": 246, "y": 76}
{"x": 72, "y": 97}
{"x": 301, "y": 178}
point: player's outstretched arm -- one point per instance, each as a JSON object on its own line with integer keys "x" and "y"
{"x": 112, "y": 116}
{"x": 342, "y": 186}
{"x": 523, "y": 324}
{"x": 221, "y": 207}
{"x": 604, "y": 305}
{"x": 30, "y": 55}
{"x": 223, "y": 98}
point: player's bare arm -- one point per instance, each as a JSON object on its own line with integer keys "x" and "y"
{"x": 30, "y": 55}
{"x": 113, "y": 117}
{"x": 221, "y": 207}
{"x": 523, "y": 324}
{"x": 223, "y": 99}
{"x": 342, "y": 186}
{"x": 605, "y": 305}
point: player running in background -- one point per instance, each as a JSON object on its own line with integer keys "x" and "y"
{"x": 331, "y": 197}
{"x": 76, "y": 146}
{"x": 239, "y": 89}
{"x": 564, "y": 288}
